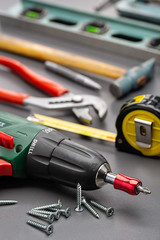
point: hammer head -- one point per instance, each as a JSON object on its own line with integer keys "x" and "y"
{"x": 133, "y": 79}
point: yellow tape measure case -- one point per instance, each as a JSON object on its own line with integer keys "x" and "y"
{"x": 138, "y": 126}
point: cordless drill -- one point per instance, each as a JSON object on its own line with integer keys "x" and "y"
{"x": 30, "y": 150}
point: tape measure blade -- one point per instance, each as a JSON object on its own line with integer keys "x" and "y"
{"x": 74, "y": 127}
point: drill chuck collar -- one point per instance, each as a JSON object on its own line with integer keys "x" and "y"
{"x": 55, "y": 157}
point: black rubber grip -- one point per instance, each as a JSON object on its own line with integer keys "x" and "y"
{"x": 53, "y": 156}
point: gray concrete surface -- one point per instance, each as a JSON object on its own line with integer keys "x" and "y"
{"x": 135, "y": 218}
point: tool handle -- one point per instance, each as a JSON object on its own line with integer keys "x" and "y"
{"x": 44, "y": 53}
{"x": 12, "y": 96}
{"x": 41, "y": 82}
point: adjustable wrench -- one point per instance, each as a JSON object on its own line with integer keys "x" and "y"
{"x": 79, "y": 104}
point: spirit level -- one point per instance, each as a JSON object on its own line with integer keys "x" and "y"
{"x": 117, "y": 35}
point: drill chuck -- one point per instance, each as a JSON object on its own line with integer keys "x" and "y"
{"x": 53, "y": 156}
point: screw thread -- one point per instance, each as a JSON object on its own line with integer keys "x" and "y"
{"x": 38, "y": 214}
{"x": 98, "y": 205}
{"x": 79, "y": 195}
{"x": 56, "y": 214}
{"x": 54, "y": 205}
{"x": 90, "y": 209}
{"x": 109, "y": 211}
{"x": 42, "y": 211}
{"x": 7, "y": 202}
{"x": 37, "y": 225}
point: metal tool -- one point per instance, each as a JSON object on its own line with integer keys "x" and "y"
{"x": 65, "y": 212}
{"x": 148, "y": 11}
{"x": 54, "y": 212}
{"x": 79, "y": 207}
{"x": 7, "y": 202}
{"x": 48, "y": 229}
{"x": 53, "y": 205}
{"x": 72, "y": 75}
{"x": 77, "y": 103}
{"x": 133, "y": 79}
{"x": 137, "y": 126}
{"x": 89, "y": 207}
{"x": 41, "y": 152}
{"x": 108, "y": 210}
{"x": 47, "y": 217}
{"x": 109, "y": 34}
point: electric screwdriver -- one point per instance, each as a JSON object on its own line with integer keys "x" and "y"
{"x": 31, "y": 150}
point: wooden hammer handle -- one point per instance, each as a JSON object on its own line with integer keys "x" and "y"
{"x": 41, "y": 52}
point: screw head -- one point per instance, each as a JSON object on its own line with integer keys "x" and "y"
{"x": 51, "y": 218}
{"x": 59, "y": 204}
{"x": 67, "y": 212}
{"x": 109, "y": 211}
{"x": 57, "y": 214}
{"x": 49, "y": 229}
{"x": 79, "y": 209}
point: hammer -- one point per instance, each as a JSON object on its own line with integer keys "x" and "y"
{"x": 133, "y": 79}
{"x": 127, "y": 80}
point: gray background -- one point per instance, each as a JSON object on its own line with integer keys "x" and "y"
{"x": 135, "y": 217}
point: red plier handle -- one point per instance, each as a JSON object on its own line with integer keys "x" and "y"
{"x": 37, "y": 80}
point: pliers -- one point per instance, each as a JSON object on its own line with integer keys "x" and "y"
{"x": 79, "y": 104}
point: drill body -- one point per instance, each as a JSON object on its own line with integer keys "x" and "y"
{"x": 41, "y": 152}
{"x": 31, "y": 150}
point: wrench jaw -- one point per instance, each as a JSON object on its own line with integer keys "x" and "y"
{"x": 83, "y": 115}
{"x": 101, "y": 108}
{"x": 98, "y": 105}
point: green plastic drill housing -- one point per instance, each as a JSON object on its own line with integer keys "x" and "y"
{"x": 23, "y": 133}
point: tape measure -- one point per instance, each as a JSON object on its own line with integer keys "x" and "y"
{"x": 73, "y": 127}
{"x": 138, "y": 126}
